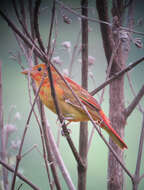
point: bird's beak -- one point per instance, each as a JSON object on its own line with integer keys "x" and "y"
{"x": 25, "y": 72}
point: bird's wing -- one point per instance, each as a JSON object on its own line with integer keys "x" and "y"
{"x": 89, "y": 101}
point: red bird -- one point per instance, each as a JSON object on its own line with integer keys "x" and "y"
{"x": 69, "y": 107}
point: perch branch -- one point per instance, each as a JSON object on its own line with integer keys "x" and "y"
{"x": 59, "y": 159}
{"x": 60, "y": 116}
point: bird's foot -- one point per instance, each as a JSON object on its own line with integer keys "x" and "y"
{"x": 66, "y": 132}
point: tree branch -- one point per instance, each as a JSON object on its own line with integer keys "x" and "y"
{"x": 134, "y": 103}
{"x": 18, "y": 158}
{"x": 36, "y": 26}
{"x": 63, "y": 6}
{"x": 58, "y": 158}
{"x": 106, "y": 31}
{"x": 83, "y": 135}
{"x": 19, "y": 175}
{"x": 117, "y": 75}
{"x": 50, "y": 156}
{"x": 136, "y": 178}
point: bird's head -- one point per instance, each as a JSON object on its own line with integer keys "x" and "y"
{"x": 37, "y": 72}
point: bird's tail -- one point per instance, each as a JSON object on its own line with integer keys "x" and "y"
{"x": 113, "y": 134}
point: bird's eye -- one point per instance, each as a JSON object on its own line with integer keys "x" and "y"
{"x": 39, "y": 69}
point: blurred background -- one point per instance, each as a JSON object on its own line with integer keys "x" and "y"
{"x": 16, "y": 100}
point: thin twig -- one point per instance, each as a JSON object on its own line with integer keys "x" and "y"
{"x": 36, "y": 26}
{"x": 141, "y": 177}
{"x": 50, "y": 32}
{"x": 134, "y": 103}
{"x": 23, "y": 24}
{"x": 133, "y": 92}
{"x": 18, "y": 158}
{"x": 19, "y": 175}
{"x": 59, "y": 159}
{"x": 50, "y": 156}
{"x": 94, "y": 19}
{"x": 136, "y": 178}
{"x": 42, "y": 137}
{"x": 74, "y": 53}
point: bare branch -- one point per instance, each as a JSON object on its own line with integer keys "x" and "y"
{"x": 134, "y": 103}
{"x": 136, "y": 178}
{"x": 117, "y": 75}
{"x": 141, "y": 177}
{"x": 19, "y": 175}
{"x": 51, "y": 28}
{"x": 41, "y": 132}
{"x": 50, "y": 156}
{"x": 31, "y": 44}
{"x": 59, "y": 159}
{"x": 133, "y": 92}
{"x": 36, "y": 26}
{"x": 63, "y": 6}
{"x": 83, "y": 135}
{"x": 106, "y": 29}
{"x": 18, "y": 158}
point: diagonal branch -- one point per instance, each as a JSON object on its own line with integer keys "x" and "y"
{"x": 63, "y": 6}
{"x": 140, "y": 150}
{"x": 18, "y": 158}
{"x": 19, "y": 175}
{"x": 53, "y": 93}
{"x": 133, "y": 92}
{"x": 58, "y": 158}
{"x": 134, "y": 103}
{"x": 117, "y": 75}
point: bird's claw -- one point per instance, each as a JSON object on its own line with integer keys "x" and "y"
{"x": 66, "y": 132}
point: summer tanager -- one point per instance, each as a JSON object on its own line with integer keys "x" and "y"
{"x": 69, "y": 106}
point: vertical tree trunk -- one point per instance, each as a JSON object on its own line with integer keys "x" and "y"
{"x": 117, "y": 118}
{"x": 83, "y": 139}
{"x": 115, "y": 172}
{"x": 112, "y": 38}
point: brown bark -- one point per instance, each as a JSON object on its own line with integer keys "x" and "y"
{"x": 83, "y": 138}
{"x": 116, "y": 113}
